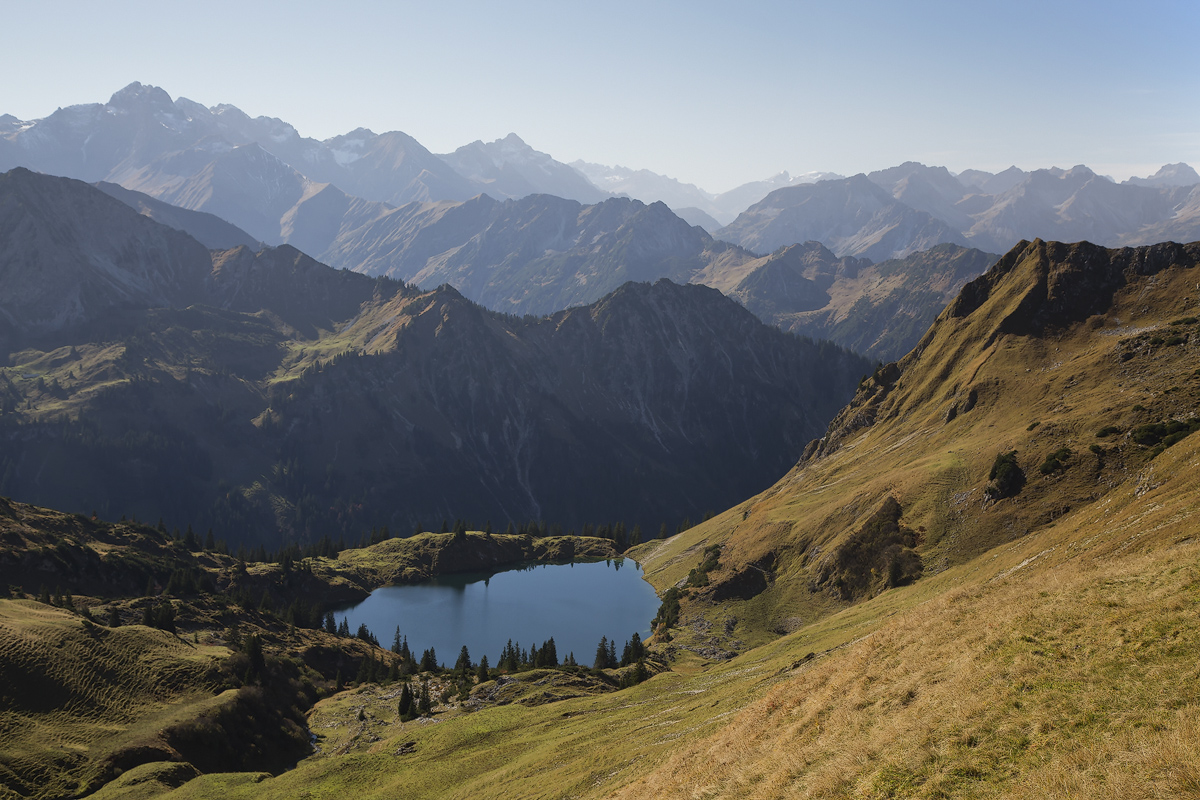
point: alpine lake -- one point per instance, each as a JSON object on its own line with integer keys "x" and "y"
{"x": 576, "y": 604}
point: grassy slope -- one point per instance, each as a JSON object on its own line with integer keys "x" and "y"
{"x": 1062, "y": 664}
{"x": 1071, "y": 383}
{"x": 75, "y": 697}
{"x": 1050, "y": 649}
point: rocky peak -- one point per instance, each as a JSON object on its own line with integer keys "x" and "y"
{"x": 137, "y": 95}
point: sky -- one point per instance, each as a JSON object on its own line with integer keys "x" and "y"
{"x": 711, "y": 93}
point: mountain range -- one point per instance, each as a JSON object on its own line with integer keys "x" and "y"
{"x": 894, "y": 212}
{"x": 261, "y": 175}
{"x": 513, "y": 229}
{"x": 266, "y": 394}
{"x": 688, "y": 200}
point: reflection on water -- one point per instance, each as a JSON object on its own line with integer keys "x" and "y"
{"x": 576, "y": 604}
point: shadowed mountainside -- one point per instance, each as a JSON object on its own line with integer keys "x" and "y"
{"x": 269, "y": 395}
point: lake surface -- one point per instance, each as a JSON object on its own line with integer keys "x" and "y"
{"x": 574, "y": 603}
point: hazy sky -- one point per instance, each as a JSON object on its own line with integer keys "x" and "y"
{"x": 712, "y": 93}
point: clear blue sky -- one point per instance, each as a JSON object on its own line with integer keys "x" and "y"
{"x": 713, "y": 93}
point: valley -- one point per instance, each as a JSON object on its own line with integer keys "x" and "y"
{"x": 919, "y": 624}
{"x": 897, "y": 472}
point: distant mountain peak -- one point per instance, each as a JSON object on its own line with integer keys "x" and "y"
{"x": 140, "y": 94}
{"x": 1179, "y": 174}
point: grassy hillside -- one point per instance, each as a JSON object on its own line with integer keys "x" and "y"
{"x": 1060, "y": 665}
{"x": 80, "y": 701}
{"x": 926, "y": 432}
{"x": 982, "y": 582}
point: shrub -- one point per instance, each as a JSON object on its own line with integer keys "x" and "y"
{"x": 1006, "y": 478}
{"x": 1107, "y": 430}
{"x": 1056, "y": 461}
{"x": 1163, "y": 433}
{"x": 698, "y": 576}
{"x": 668, "y": 611}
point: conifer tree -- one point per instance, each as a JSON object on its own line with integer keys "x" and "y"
{"x": 482, "y": 672}
{"x": 114, "y": 619}
{"x": 425, "y": 703}
{"x": 405, "y": 707}
{"x": 601, "y": 660}
{"x": 463, "y": 665}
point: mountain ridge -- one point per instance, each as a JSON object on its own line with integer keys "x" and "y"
{"x": 266, "y": 389}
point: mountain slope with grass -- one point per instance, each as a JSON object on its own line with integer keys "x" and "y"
{"x": 900, "y": 615}
{"x": 1064, "y": 359}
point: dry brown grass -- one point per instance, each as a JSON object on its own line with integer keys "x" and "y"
{"x": 1074, "y": 675}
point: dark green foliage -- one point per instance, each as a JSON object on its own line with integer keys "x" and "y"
{"x": 424, "y": 701}
{"x": 114, "y": 618}
{"x": 1185, "y": 321}
{"x": 1161, "y": 435}
{"x": 160, "y": 615}
{"x": 1006, "y": 478}
{"x": 1056, "y": 461}
{"x": 463, "y": 665}
{"x": 365, "y": 635}
{"x": 1107, "y": 430}
{"x": 263, "y": 728}
{"x": 372, "y": 670}
{"x": 407, "y": 707}
{"x": 1033, "y": 425}
{"x": 698, "y": 576}
{"x": 634, "y": 651}
{"x": 878, "y": 556}
{"x": 1175, "y": 341}
{"x": 510, "y": 658}
{"x": 189, "y": 581}
{"x": 547, "y": 655}
{"x": 429, "y": 661}
{"x": 668, "y": 610}
{"x": 606, "y": 657}
{"x": 633, "y": 677}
